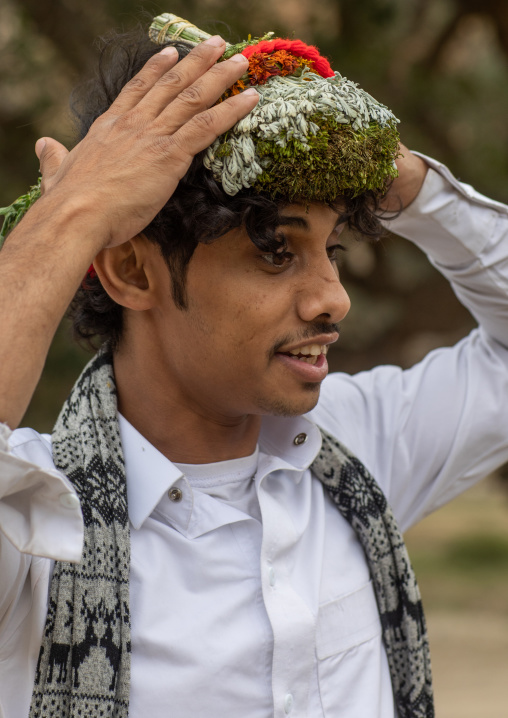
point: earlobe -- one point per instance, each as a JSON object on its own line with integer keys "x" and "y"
{"x": 125, "y": 273}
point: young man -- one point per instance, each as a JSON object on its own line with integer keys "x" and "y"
{"x": 217, "y": 577}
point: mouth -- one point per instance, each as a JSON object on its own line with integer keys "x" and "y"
{"x": 307, "y": 362}
{"x": 309, "y": 354}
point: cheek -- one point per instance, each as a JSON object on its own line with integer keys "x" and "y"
{"x": 238, "y": 316}
{"x": 254, "y": 322}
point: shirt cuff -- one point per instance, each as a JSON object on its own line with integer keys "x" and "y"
{"x": 449, "y": 220}
{"x": 40, "y": 512}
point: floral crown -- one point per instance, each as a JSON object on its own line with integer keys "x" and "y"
{"x": 313, "y": 135}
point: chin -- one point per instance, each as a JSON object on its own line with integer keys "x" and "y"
{"x": 294, "y": 405}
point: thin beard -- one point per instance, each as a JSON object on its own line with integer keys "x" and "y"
{"x": 281, "y": 407}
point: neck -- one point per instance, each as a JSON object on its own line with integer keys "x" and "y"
{"x": 182, "y": 429}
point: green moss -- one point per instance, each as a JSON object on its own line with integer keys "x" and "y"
{"x": 338, "y": 160}
{"x": 15, "y": 212}
{"x": 224, "y": 149}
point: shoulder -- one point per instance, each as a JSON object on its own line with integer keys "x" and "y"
{"x": 345, "y": 398}
{"x": 354, "y": 408}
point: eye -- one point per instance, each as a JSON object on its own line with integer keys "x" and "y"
{"x": 334, "y": 253}
{"x": 278, "y": 259}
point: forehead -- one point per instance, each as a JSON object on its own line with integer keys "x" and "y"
{"x": 310, "y": 217}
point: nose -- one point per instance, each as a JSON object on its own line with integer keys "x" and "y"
{"x": 322, "y": 295}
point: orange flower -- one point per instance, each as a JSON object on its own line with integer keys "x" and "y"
{"x": 237, "y": 88}
{"x": 263, "y": 65}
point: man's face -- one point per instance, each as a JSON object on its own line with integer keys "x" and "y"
{"x": 254, "y": 336}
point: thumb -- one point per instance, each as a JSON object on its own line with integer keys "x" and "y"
{"x": 51, "y": 154}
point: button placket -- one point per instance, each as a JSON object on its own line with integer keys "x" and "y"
{"x": 292, "y": 624}
{"x": 288, "y": 703}
{"x": 272, "y": 578}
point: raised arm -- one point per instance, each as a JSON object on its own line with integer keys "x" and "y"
{"x": 102, "y": 193}
{"x": 429, "y": 432}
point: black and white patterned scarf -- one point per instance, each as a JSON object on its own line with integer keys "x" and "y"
{"x": 84, "y": 662}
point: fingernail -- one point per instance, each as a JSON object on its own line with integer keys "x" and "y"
{"x": 215, "y": 41}
{"x": 250, "y": 92}
{"x": 169, "y": 51}
{"x": 39, "y": 146}
{"x": 238, "y": 58}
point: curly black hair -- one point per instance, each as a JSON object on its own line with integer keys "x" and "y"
{"x": 198, "y": 211}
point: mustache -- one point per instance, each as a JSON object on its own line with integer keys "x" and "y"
{"x": 314, "y": 330}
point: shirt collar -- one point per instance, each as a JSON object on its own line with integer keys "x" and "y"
{"x": 294, "y": 441}
{"x": 149, "y": 473}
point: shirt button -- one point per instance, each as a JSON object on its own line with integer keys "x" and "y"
{"x": 300, "y": 439}
{"x": 69, "y": 501}
{"x": 271, "y": 576}
{"x": 175, "y": 495}
{"x": 288, "y": 703}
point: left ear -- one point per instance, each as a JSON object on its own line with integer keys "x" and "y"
{"x": 127, "y": 272}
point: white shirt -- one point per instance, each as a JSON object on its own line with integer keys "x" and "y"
{"x": 236, "y": 616}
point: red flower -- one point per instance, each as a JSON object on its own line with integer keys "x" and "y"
{"x": 295, "y": 47}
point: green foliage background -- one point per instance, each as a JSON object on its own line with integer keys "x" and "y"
{"x": 441, "y": 65}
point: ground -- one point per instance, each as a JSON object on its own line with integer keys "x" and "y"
{"x": 460, "y": 555}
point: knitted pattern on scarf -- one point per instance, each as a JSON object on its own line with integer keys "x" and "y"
{"x": 84, "y": 662}
{"x": 363, "y": 504}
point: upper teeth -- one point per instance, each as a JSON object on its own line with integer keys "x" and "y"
{"x": 310, "y": 350}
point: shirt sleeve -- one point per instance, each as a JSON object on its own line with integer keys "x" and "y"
{"x": 465, "y": 236}
{"x": 40, "y": 512}
{"x": 430, "y": 432}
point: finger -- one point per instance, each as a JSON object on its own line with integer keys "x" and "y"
{"x": 190, "y": 69}
{"x": 203, "y": 93}
{"x": 143, "y": 82}
{"x": 203, "y": 129}
{"x": 51, "y": 154}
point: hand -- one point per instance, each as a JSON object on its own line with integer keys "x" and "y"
{"x": 405, "y": 188}
{"x": 129, "y": 164}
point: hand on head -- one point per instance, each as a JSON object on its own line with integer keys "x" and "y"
{"x": 130, "y": 162}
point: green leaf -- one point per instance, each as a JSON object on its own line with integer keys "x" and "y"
{"x": 16, "y": 211}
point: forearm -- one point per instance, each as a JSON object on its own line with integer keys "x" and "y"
{"x": 442, "y": 422}
{"x": 465, "y": 236}
{"x": 41, "y": 266}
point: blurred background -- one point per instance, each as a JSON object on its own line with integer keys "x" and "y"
{"x": 442, "y": 66}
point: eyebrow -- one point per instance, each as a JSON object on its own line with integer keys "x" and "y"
{"x": 300, "y": 222}
{"x": 293, "y": 221}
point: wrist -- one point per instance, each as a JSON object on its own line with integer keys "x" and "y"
{"x": 76, "y": 218}
{"x": 59, "y": 222}
{"x": 406, "y": 187}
